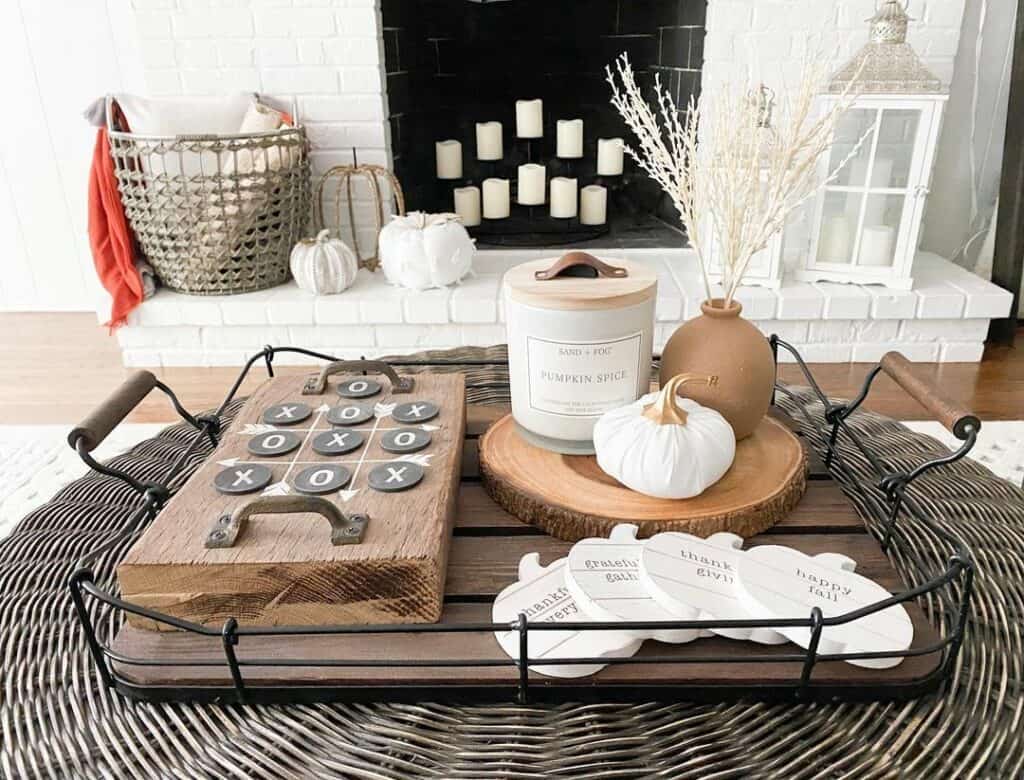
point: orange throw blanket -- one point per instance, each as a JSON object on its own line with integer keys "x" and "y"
{"x": 110, "y": 237}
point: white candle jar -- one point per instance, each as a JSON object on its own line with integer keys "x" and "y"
{"x": 580, "y": 342}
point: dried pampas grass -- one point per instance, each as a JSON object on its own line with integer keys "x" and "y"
{"x": 749, "y": 172}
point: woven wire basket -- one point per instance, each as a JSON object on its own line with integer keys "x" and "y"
{"x": 215, "y": 214}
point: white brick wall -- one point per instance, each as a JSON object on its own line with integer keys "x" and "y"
{"x": 827, "y": 323}
{"x": 327, "y": 55}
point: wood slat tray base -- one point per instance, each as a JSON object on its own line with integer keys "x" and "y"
{"x": 484, "y": 555}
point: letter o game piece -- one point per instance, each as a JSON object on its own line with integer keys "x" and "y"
{"x": 321, "y": 479}
{"x": 274, "y": 443}
{"x": 362, "y": 387}
{"x": 405, "y": 440}
{"x": 349, "y": 414}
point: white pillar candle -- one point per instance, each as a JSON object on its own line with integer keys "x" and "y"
{"x": 530, "y": 118}
{"x": 834, "y": 244}
{"x": 467, "y": 205}
{"x": 531, "y": 184}
{"x": 563, "y": 197}
{"x": 496, "y": 200}
{"x": 876, "y": 245}
{"x": 609, "y": 156}
{"x": 593, "y": 205}
{"x": 569, "y": 134}
{"x": 449, "y": 159}
{"x": 489, "y": 141}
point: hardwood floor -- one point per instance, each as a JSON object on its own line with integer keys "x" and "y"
{"x": 55, "y": 367}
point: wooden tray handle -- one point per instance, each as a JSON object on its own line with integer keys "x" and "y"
{"x": 105, "y": 417}
{"x": 957, "y": 420}
{"x": 583, "y": 264}
{"x": 345, "y": 529}
{"x": 316, "y": 385}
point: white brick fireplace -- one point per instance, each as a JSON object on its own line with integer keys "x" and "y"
{"x": 328, "y": 57}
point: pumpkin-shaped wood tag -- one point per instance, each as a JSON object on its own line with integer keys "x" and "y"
{"x": 780, "y": 582}
{"x": 603, "y": 576}
{"x": 541, "y": 594}
{"x": 695, "y": 579}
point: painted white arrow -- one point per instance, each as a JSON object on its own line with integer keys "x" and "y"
{"x": 429, "y": 427}
{"x": 322, "y": 408}
{"x": 347, "y": 495}
{"x": 254, "y": 429}
{"x": 277, "y": 489}
{"x": 384, "y": 410}
{"x": 421, "y": 459}
{"x": 228, "y": 462}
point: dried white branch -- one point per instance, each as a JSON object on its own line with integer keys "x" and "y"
{"x": 744, "y": 179}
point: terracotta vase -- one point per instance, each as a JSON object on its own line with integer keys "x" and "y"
{"x": 720, "y": 342}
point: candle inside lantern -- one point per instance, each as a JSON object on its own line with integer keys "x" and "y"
{"x": 531, "y": 184}
{"x": 530, "y": 118}
{"x": 834, "y": 244}
{"x": 496, "y": 199}
{"x": 876, "y": 245}
{"x": 609, "y": 156}
{"x": 449, "y": 159}
{"x": 467, "y": 205}
{"x": 593, "y": 205}
{"x": 488, "y": 141}
{"x": 563, "y": 197}
{"x": 569, "y": 134}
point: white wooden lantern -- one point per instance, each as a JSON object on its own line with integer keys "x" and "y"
{"x": 867, "y": 220}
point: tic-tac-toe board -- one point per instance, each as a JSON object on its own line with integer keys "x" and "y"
{"x": 329, "y": 500}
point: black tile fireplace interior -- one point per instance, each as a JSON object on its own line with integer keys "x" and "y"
{"x": 453, "y": 63}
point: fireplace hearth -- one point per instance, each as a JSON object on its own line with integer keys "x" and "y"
{"x": 453, "y": 63}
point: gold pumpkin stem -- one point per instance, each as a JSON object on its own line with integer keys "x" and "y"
{"x": 666, "y": 410}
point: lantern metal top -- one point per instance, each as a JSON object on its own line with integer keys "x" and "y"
{"x": 887, "y": 63}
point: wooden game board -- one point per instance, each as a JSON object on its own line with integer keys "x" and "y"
{"x": 283, "y": 568}
{"x": 486, "y": 548}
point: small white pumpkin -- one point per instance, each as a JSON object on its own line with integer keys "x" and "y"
{"x": 323, "y": 265}
{"x": 665, "y": 446}
{"x": 420, "y": 251}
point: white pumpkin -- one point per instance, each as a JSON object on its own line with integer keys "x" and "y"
{"x": 665, "y": 446}
{"x": 420, "y": 251}
{"x": 323, "y": 265}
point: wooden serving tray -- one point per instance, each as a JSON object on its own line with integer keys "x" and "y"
{"x": 570, "y": 497}
{"x": 486, "y": 548}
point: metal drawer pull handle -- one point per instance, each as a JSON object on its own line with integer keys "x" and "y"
{"x": 345, "y": 529}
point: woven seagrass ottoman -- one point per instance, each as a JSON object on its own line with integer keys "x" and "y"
{"x": 62, "y": 719}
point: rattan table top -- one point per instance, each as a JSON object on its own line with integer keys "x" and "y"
{"x": 58, "y": 719}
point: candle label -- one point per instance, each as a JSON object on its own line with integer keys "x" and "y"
{"x": 582, "y": 378}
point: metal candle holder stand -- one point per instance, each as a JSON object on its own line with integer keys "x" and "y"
{"x": 951, "y": 588}
{"x": 525, "y": 226}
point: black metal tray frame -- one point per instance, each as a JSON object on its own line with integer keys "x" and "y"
{"x": 951, "y": 588}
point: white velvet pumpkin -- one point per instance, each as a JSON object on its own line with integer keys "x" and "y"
{"x": 323, "y": 265}
{"x": 665, "y": 446}
{"x": 420, "y": 251}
